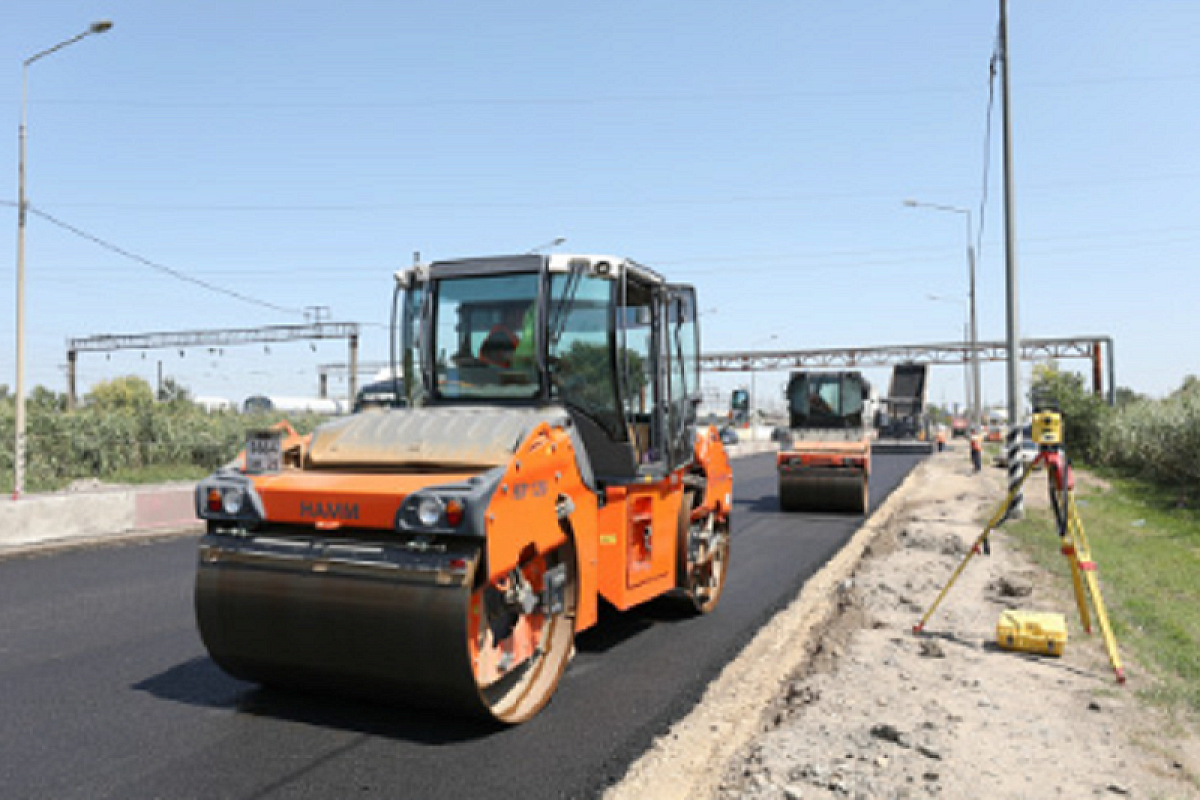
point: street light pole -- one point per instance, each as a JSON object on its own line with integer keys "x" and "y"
{"x": 976, "y": 408}
{"x": 550, "y": 245}
{"x": 22, "y": 214}
{"x": 977, "y": 393}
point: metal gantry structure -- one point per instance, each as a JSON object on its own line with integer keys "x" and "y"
{"x": 213, "y": 338}
{"x": 1096, "y": 349}
{"x": 1091, "y": 348}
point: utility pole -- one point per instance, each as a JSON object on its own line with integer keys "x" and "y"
{"x": 976, "y": 381}
{"x": 1015, "y": 414}
{"x": 22, "y": 214}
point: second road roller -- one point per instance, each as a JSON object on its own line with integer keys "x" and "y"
{"x": 446, "y": 553}
{"x": 825, "y": 464}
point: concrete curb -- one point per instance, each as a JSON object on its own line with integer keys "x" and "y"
{"x": 69, "y": 518}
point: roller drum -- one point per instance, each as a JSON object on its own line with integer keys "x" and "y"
{"x": 359, "y": 619}
{"x": 821, "y": 489}
{"x": 392, "y": 622}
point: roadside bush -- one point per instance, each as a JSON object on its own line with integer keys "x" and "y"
{"x": 124, "y": 438}
{"x": 7, "y": 431}
{"x": 1154, "y": 440}
{"x": 1158, "y": 440}
{"x": 1082, "y": 411}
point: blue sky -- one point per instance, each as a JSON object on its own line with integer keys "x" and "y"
{"x": 300, "y": 152}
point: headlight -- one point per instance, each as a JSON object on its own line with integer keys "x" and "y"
{"x": 448, "y": 509}
{"x": 231, "y": 500}
{"x": 429, "y": 511}
{"x": 223, "y": 498}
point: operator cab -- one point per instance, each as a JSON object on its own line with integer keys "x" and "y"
{"x": 826, "y": 399}
{"x": 605, "y": 338}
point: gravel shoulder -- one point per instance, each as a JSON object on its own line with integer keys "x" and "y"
{"x": 838, "y": 698}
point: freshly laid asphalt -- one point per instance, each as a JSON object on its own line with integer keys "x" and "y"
{"x": 107, "y": 692}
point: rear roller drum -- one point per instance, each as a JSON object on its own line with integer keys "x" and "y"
{"x": 521, "y": 634}
{"x": 704, "y": 558}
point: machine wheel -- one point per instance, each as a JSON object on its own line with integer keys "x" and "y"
{"x": 703, "y": 558}
{"x": 521, "y": 633}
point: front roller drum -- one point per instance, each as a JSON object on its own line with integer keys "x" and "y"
{"x": 384, "y": 622}
{"x": 819, "y": 489}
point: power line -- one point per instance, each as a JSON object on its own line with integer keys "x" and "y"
{"x": 595, "y": 100}
{"x": 987, "y": 147}
{"x": 174, "y": 273}
{"x": 692, "y": 201}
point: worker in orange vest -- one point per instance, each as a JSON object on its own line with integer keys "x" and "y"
{"x": 977, "y": 448}
{"x": 941, "y": 438}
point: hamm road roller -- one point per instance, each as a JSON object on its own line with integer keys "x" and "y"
{"x": 446, "y": 553}
{"x": 826, "y": 463}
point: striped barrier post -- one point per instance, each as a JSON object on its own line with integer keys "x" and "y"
{"x": 1016, "y": 471}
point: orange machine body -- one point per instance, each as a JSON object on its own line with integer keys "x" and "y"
{"x": 628, "y": 551}
{"x": 817, "y": 454}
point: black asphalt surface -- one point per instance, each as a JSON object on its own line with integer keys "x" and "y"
{"x": 106, "y": 690}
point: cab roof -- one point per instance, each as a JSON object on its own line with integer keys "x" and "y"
{"x": 603, "y": 266}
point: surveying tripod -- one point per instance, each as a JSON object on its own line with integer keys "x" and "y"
{"x": 1047, "y": 432}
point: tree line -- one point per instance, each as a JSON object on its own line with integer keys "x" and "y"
{"x": 123, "y": 432}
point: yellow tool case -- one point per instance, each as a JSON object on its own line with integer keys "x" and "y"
{"x": 1039, "y": 632}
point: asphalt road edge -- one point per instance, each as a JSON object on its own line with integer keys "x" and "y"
{"x": 689, "y": 761}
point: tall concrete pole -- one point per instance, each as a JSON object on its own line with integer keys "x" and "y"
{"x": 19, "y": 442}
{"x": 22, "y": 213}
{"x": 1015, "y": 413}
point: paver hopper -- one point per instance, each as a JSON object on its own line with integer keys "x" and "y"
{"x": 904, "y": 425}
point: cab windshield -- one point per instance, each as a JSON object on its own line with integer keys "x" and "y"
{"x": 825, "y": 396}
{"x": 484, "y": 337}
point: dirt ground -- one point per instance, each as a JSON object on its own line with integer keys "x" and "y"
{"x": 838, "y": 698}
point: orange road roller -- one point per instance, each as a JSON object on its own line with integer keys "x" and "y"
{"x": 825, "y": 464}
{"x": 445, "y": 554}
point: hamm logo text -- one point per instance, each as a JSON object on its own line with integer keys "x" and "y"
{"x": 329, "y": 510}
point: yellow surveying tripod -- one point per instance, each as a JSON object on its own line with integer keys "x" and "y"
{"x": 1047, "y": 432}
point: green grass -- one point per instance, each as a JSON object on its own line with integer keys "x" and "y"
{"x": 158, "y": 473}
{"x": 163, "y": 473}
{"x": 1147, "y": 553}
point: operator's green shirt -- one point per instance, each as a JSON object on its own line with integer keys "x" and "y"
{"x": 524, "y": 353}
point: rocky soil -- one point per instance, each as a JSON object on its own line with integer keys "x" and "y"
{"x": 838, "y": 698}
